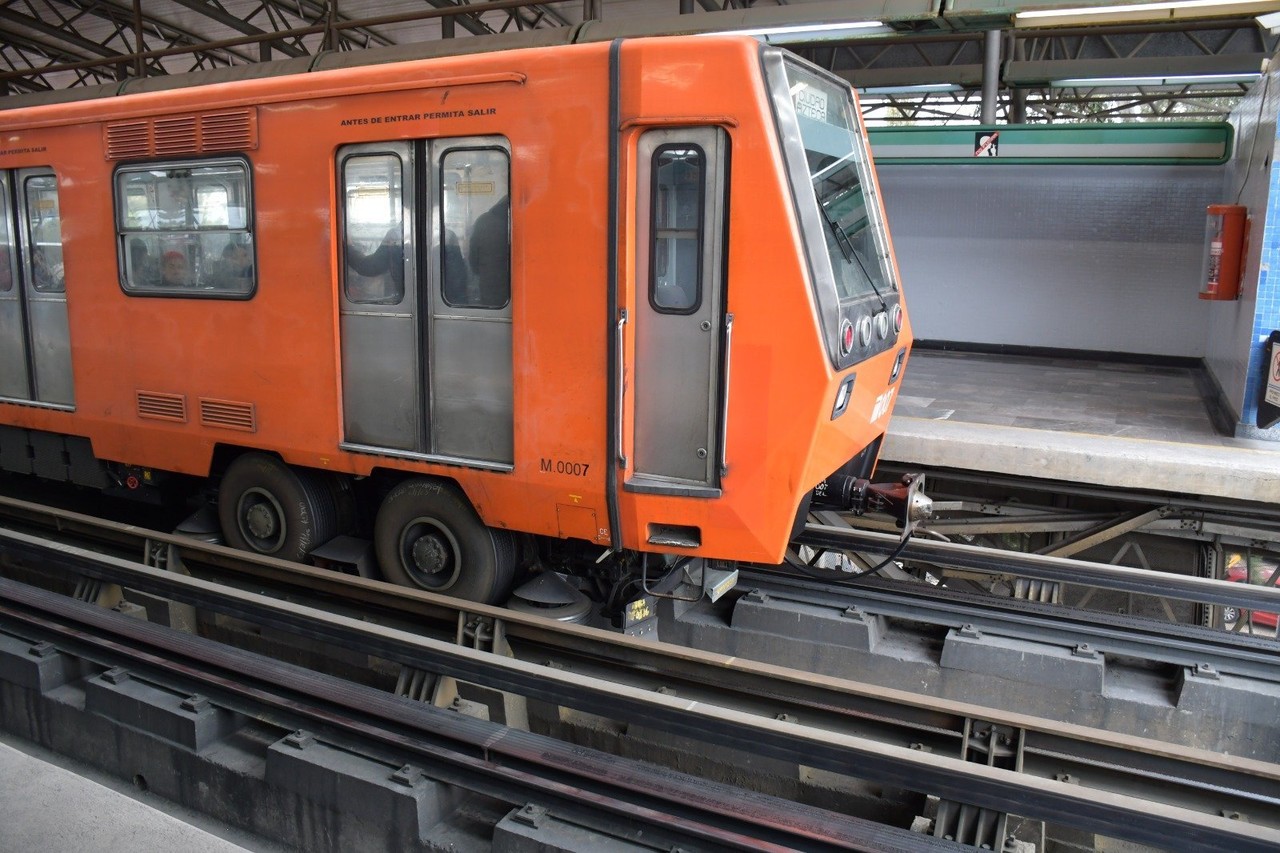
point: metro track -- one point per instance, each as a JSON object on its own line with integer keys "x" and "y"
{"x": 833, "y": 724}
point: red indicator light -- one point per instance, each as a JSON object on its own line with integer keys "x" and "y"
{"x": 846, "y": 338}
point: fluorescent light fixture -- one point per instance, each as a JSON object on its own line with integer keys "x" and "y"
{"x": 1136, "y": 7}
{"x": 1185, "y": 80}
{"x": 803, "y": 32}
{"x": 919, "y": 88}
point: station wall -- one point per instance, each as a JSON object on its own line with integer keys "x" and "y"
{"x": 1103, "y": 258}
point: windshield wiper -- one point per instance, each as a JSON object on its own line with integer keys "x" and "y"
{"x": 845, "y": 242}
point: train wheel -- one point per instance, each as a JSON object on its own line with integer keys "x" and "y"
{"x": 267, "y": 507}
{"x": 427, "y": 535}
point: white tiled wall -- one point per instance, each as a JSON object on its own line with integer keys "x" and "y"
{"x": 1102, "y": 258}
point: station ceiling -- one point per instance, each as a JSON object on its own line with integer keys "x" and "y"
{"x": 915, "y": 60}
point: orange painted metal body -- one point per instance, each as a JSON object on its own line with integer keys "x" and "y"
{"x": 279, "y": 350}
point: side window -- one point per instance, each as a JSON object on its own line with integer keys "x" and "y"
{"x": 44, "y": 232}
{"x": 8, "y": 249}
{"x": 675, "y": 285}
{"x": 475, "y": 205}
{"x": 186, "y": 229}
{"x": 373, "y": 223}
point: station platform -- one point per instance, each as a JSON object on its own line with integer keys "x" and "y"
{"x": 1138, "y": 427}
{"x": 49, "y": 806}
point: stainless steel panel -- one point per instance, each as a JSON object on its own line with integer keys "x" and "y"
{"x": 470, "y": 361}
{"x": 472, "y": 401}
{"x": 382, "y": 398}
{"x": 48, "y": 334}
{"x": 51, "y": 349}
{"x": 13, "y": 349}
{"x": 14, "y": 382}
{"x": 380, "y": 384}
{"x": 678, "y": 355}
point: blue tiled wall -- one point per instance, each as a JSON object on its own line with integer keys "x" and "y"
{"x": 1266, "y": 315}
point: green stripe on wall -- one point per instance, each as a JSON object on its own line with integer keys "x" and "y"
{"x": 1190, "y": 143}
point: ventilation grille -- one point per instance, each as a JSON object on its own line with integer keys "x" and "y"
{"x": 195, "y": 133}
{"x": 228, "y": 414}
{"x": 162, "y": 407}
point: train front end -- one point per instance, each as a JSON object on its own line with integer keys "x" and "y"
{"x": 854, "y": 279}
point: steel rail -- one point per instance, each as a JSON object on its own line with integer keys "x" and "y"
{"x": 1238, "y": 784}
{"x": 1136, "y": 637}
{"x": 495, "y": 760}
{"x": 1041, "y": 567}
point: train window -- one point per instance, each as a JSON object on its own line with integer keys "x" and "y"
{"x": 675, "y": 270}
{"x": 184, "y": 229}
{"x": 837, "y": 165}
{"x": 373, "y": 219}
{"x": 44, "y": 230}
{"x": 475, "y": 213}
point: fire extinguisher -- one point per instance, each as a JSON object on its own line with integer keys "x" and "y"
{"x": 1224, "y": 251}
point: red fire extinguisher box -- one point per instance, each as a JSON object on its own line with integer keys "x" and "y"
{"x": 1223, "y": 251}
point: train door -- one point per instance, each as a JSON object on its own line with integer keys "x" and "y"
{"x": 381, "y": 387}
{"x": 426, "y": 299}
{"x": 35, "y": 340}
{"x": 679, "y": 317}
{"x": 470, "y": 324}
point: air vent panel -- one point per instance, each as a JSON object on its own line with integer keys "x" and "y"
{"x": 228, "y": 414}
{"x": 157, "y": 406}
{"x": 183, "y": 135}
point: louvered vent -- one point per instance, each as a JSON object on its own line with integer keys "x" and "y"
{"x": 194, "y": 133}
{"x": 176, "y": 135}
{"x": 126, "y": 139}
{"x": 162, "y": 407}
{"x": 236, "y": 130}
{"x": 228, "y": 414}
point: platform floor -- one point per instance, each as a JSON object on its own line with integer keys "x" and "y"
{"x": 1132, "y": 426}
{"x": 49, "y": 805}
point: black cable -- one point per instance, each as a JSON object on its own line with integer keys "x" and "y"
{"x": 827, "y": 575}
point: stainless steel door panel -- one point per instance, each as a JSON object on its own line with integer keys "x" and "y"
{"x": 14, "y": 381}
{"x": 677, "y": 351}
{"x": 380, "y": 383}
{"x": 472, "y": 389}
{"x": 51, "y": 349}
{"x": 382, "y": 397}
{"x": 471, "y": 407}
{"x": 673, "y": 437}
{"x": 13, "y": 349}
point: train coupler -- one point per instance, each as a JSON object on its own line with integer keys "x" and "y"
{"x": 904, "y": 500}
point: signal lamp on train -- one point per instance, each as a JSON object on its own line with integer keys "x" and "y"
{"x": 843, "y": 395}
{"x": 846, "y": 337}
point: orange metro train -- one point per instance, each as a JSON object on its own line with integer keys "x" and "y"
{"x": 632, "y": 300}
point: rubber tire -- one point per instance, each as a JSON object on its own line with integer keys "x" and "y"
{"x": 1230, "y": 615}
{"x": 299, "y": 499}
{"x": 484, "y": 560}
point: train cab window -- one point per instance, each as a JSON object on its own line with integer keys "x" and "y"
{"x": 185, "y": 229}
{"x": 373, "y": 219}
{"x": 675, "y": 285}
{"x": 44, "y": 231}
{"x": 475, "y": 205}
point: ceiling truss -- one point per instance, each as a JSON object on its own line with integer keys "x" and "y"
{"x": 920, "y": 68}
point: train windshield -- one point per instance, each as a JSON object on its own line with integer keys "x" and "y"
{"x": 839, "y": 177}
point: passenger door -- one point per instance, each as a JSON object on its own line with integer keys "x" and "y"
{"x": 680, "y": 319}
{"x": 35, "y": 342}
{"x": 426, "y": 299}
